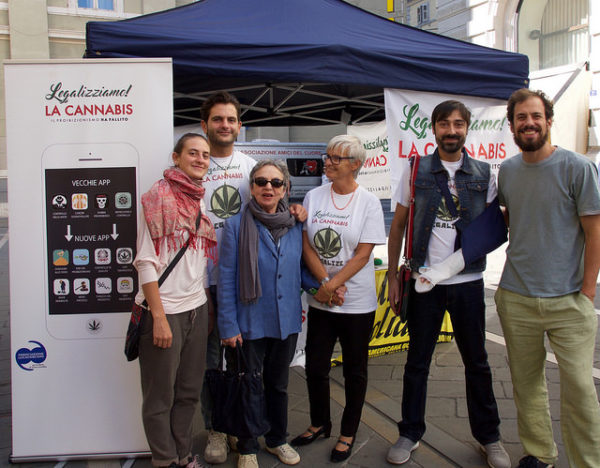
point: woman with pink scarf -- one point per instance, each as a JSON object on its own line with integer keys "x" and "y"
{"x": 173, "y": 342}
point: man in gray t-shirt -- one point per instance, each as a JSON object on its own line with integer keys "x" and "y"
{"x": 548, "y": 284}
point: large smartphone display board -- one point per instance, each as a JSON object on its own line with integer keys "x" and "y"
{"x": 91, "y": 216}
{"x": 84, "y": 138}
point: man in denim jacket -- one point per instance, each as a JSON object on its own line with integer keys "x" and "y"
{"x": 448, "y": 173}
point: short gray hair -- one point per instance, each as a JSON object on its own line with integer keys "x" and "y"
{"x": 278, "y": 164}
{"x": 349, "y": 145}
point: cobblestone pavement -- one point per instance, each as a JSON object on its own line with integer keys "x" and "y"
{"x": 447, "y": 442}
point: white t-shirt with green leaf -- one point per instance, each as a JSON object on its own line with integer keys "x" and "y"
{"x": 227, "y": 185}
{"x": 335, "y": 234}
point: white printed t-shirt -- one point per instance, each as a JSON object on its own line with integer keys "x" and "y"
{"x": 227, "y": 185}
{"x": 335, "y": 235}
{"x": 443, "y": 233}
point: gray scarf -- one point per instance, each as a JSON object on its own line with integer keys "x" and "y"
{"x": 278, "y": 224}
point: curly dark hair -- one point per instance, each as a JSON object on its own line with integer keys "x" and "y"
{"x": 220, "y": 97}
{"x": 521, "y": 95}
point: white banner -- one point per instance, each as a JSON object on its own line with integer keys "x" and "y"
{"x": 85, "y": 138}
{"x": 375, "y": 173}
{"x": 408, "y": 117}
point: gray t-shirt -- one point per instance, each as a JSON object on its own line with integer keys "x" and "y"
{"x": 546, "y": 240}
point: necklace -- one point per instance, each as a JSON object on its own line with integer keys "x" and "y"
{"x": 333, "y": 199}
{"x": 224, "y": 169}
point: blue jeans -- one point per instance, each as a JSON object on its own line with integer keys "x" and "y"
{"x": 465, "y": 303}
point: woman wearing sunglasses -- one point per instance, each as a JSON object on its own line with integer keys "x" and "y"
{"x": 259, "y": 298}
{"x": 344, "y": 223}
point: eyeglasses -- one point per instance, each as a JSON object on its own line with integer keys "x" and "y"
{"x": 262, "y": 182}
{"x": 335, "y": 159}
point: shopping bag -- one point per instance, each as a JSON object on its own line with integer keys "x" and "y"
{"x": 239, "y": 407}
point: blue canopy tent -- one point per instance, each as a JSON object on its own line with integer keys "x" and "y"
{"x": 302, "y": 62}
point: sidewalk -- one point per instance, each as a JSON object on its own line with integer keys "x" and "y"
{"x": 447, "y": 442}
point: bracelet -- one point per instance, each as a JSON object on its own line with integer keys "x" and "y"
{"x": 325, "y": 280}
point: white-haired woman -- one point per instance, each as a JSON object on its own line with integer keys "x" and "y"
{"x": 344, "y": 223}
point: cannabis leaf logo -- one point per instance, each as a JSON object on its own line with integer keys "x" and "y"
{"x": 443, "y": 211}
{"x": 327, "y": 242}
{"x": 225, "y": 201}
{"x": 94, "y": 326}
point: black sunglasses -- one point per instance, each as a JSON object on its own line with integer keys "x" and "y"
{"x": 262, "y": 182}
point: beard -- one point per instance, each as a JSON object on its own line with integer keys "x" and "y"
{"x": 451, "y": 144}
{"x": 530, "y": 145}
{"x": 216, "y": 139}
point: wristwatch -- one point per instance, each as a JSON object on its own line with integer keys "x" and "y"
{"x": 325, "y": 280}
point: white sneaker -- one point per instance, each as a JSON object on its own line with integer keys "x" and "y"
{"x": 285, "y": 453}
{"x": 216, "y": 448}
{"x": 399, "y": 453}
{"x": 247, "y": 461}
{"x": 496, "y": 454}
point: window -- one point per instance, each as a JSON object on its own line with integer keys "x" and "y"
{"x": 564, "y": 33}
{"x": 97, "y": 4}
{"x": 555, "y": 35}
{"x": 422, "y": 14}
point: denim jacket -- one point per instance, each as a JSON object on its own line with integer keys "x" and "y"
{"x": 472, "y": 180}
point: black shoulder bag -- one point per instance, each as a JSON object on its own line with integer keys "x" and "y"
{"x": 138, "y": 311}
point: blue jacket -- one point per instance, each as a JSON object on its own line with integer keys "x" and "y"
{"x": 472, "y": 180}
{"x": 278, "y": 312}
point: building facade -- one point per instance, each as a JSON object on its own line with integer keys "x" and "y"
{"x": 552, "y": 33}
{"x": 50, "y": 29}
{"x": 560, "y": 37}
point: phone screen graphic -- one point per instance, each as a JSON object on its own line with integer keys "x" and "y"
{"x": 91, "y": 229}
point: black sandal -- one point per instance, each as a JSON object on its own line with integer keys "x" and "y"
{"x": 314, "y": 435}
{"x": 339, "y": 456}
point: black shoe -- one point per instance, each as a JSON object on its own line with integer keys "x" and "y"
{"x": 339, "y": 456}
{"x": 314, "y": 435}
{"x": 531, "y": 462}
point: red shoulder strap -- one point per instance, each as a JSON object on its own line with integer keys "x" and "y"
{"x": 411, "y": 211}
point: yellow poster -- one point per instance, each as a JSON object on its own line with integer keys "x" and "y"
{"x": 389, "y": 334}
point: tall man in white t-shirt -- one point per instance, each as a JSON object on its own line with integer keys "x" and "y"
{"x": 227, "y": 190}
{"x": 451, "y": 190}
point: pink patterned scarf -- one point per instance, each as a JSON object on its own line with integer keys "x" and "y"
{"x": 171, "y": 206}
